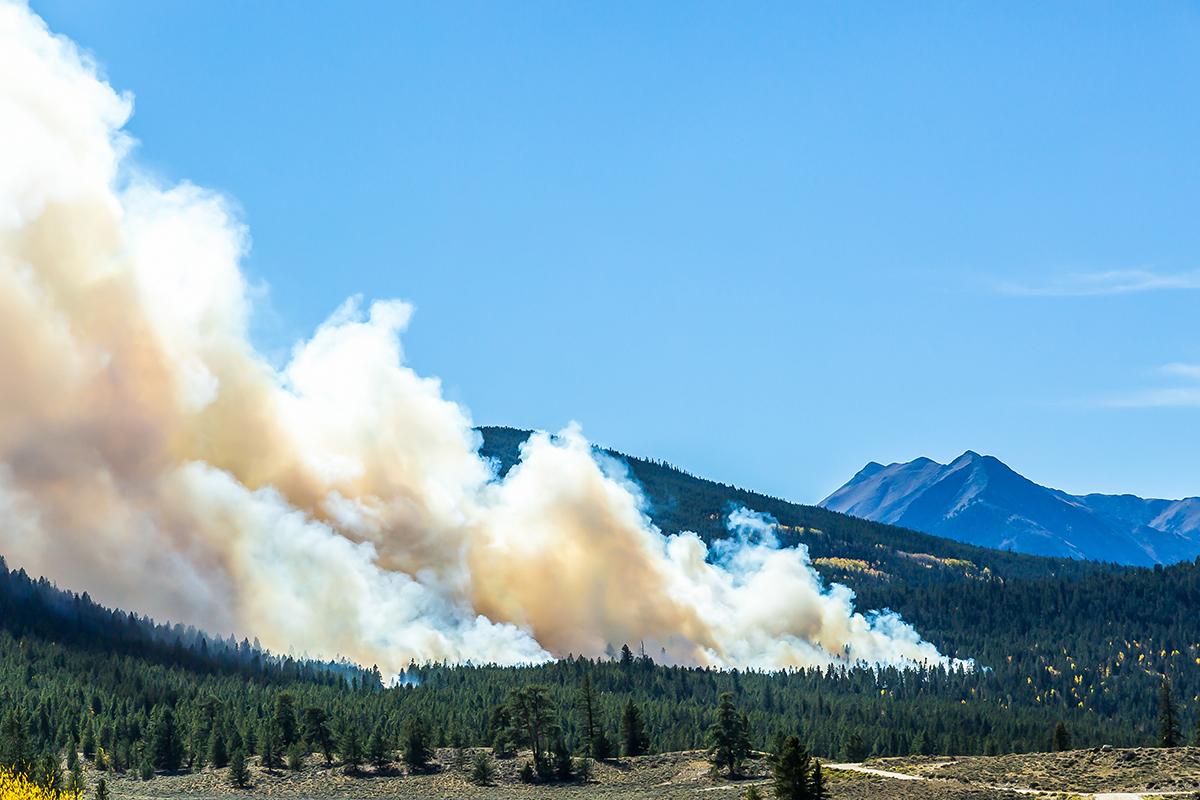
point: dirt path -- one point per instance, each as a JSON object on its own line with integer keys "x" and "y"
{"x": 902, "y": 776}
{"x": 881, "y": 773}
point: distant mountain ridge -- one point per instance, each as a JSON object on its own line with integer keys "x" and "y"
{"x": 980, "y": 500}
{"x": 876, "y": 560}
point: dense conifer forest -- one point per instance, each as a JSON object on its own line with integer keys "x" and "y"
{"x": 132, "y": 695}
{"x": 1065, "y": 654}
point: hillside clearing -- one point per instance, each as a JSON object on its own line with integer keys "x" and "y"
{"x": 1101, "y": 774}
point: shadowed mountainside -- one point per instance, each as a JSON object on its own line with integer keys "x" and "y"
{"x": 854, "y": 551}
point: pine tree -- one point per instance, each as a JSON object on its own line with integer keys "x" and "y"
{"x": 817, "y": 789}
{"x": 239, "y": 773}
{"x": 316, "y": 732}
{"x": 75, "y": 782}
{"x": 482, "y": 770}
{"x": 102, "y": 789}
{"x": 417, "y": 752}
{"x": 268, "y": 746}
{"x": 87, "y": 739}
{"x": 626, "y": 658}
{"x": 459, "y": 758}
{"x": 378, "y": 751}
{"x": 564, "y": 766}
{"x": 1168, "y": 717}
{"x": 166, "y": 747}
{"x": 634, "y": 741}
{"x": 531, "y": 720}
{"x": 16, "y": 752}
{"x": 728, "y": 737}
{"x": 595, "y": 742}
{"x": 47, "y": 773}
{"x": 1062, "y": 739}
{"x": 204, "y": 722}
{"x": 218, "y": 754}
{"x": 499, "y": 732}
{"x": 350, "y": 747}
{"x": 790, "y": 772}
{"x": 855, "y": 750}
{"x": 295, "y": 757}
{"x": 284, "y": 720}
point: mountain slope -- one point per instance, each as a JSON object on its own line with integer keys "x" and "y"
{"x": 858, "y": 552}
{"x": 980, "y": 500}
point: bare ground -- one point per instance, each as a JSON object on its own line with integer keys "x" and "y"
{"x": 1094, "y": 770}
{"x": 1075, "y": 774}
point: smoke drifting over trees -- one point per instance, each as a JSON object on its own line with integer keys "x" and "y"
{"x": 337, "y": 505}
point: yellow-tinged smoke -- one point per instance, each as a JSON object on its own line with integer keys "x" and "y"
{"x": 336, "y": 506}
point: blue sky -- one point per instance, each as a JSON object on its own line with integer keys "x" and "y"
{"x": 767, "y": 243}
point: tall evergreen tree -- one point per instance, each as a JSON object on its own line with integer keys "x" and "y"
{"x": 166, "y": 746}
{"x": 564, "y": 765}
{"x": 87, "y": 738}
{"x": 595, "y": 740}
{"x": 728, "y": 736}
{"x": 218, "y": 753}
{"x": 626, "y": 658}
{"x": 1062, "y": 738}
{"x": 350, "y": 748}
{"x": 791, "y": 777}
{"x": 634, "y": 741}
{"x": 316, "y": 733}
{"x": 855, "y": 750}
{"x": 16, "y": 752}
{"x": 379, "y": 751}
{"x": 268, "y": 746}
{"x": 417, "y": 750}
{"x": 284, "y": 720}
{"x": 75, "y": 781}
{"x": 817, "y": 788}
{"x": 1168, "y": 717}
{"x": 531, "y": 720}
{"x": 239, "y": 773}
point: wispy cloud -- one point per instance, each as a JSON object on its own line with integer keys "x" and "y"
{"x": 1110, "y": 282}
{"x": 1173, "y": 397}
{"x": 1181, "y": 370}
{"x": 1185, "y": 396}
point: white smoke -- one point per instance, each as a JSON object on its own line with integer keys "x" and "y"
{"x": 150, "y": 455}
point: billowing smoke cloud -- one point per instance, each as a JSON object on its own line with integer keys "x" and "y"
{"x": 337, "y": 505}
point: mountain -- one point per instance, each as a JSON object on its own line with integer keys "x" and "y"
{"x": 980, "y": 500}
{"x": 873, "y": 559}
{"x": 1080, "y": 642}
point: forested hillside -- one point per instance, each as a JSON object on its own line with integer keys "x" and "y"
{"x": 1052, "y": 640}
{"x": 853, "y": 551}
{"x": 135, "y": 695}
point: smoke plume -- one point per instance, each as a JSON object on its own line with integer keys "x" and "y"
{"x": 338, "y": 505}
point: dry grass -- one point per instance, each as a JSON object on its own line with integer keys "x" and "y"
{"x": 678, "y": 775}
{"x": 1080, "y": 771}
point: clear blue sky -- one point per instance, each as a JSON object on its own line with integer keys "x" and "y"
{"x": 767, "y": 242}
